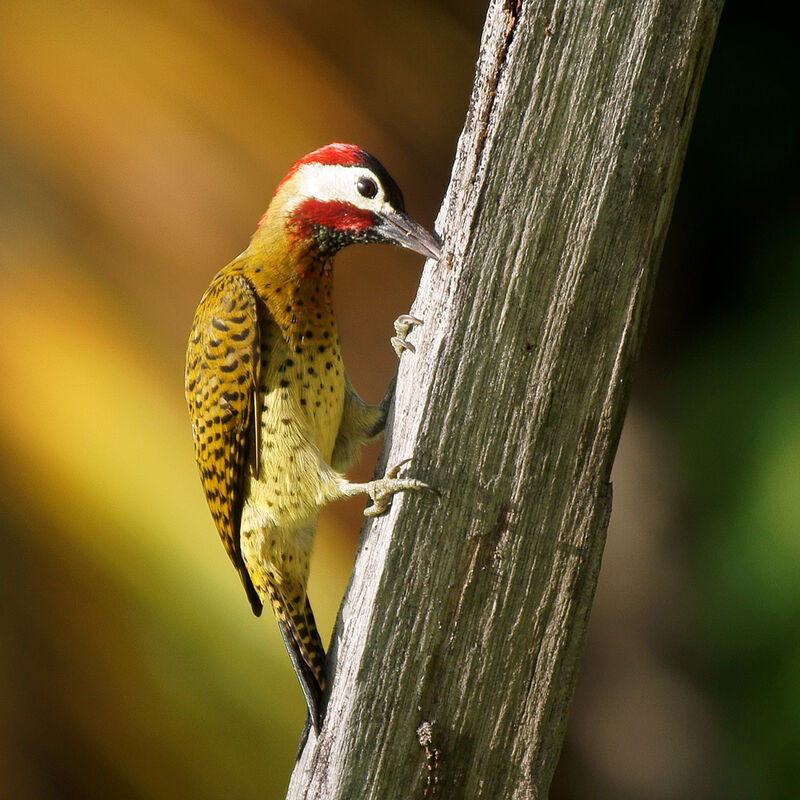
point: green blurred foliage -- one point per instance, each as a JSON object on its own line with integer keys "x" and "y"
{"x": 732, "y": 279}
{"x": 740, "y": 429}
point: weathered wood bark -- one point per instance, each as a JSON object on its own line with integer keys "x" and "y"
{"x": 455, "y": 654}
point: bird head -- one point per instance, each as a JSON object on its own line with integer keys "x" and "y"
{"x": 339, "y": 195}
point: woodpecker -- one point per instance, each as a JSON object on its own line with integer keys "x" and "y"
{"x": 275, "y": 418}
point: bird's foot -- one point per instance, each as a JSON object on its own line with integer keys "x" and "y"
{"x": 403, "y": 325}
{"x": 381, "y": 490}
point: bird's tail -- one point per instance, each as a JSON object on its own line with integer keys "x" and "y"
{"x": 299, "y": 630}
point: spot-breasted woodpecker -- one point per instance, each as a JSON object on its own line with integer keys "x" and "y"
{"x": 275, "y": 419}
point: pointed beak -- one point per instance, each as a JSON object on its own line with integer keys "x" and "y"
{"x": 401, "y": 229}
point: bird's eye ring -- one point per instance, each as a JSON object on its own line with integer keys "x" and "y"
{"x": 367, "y": 187}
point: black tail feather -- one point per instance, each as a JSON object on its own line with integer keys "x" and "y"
{"x": 308, "y": 681}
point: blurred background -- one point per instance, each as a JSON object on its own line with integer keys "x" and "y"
{"x": 139, "y": 144}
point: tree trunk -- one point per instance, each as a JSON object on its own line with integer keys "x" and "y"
{"x": 455, "y": 654}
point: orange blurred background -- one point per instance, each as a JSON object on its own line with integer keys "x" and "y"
{"x": 139, "y": 145}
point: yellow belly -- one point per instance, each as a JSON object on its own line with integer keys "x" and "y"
{"x": 301, "y": 399}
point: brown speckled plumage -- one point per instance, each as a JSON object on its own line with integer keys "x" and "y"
{"x": 221, "y": 380}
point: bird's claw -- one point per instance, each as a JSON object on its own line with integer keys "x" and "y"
{"x": 394, "y": 471}
{"x": 381, "y": 490}
{"x": 404, "y": 323}
{"x": 401, "y": 345}
{"x": 402, "y": 327}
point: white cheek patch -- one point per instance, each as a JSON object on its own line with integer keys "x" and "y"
{"x": 333, "y": 182}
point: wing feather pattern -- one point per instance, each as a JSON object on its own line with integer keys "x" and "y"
{"x": 222, "y": 366}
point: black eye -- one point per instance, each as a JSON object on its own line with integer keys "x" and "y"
{"x": 366, "y": 187}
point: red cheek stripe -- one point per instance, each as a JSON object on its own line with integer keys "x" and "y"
{"x": 335, "y": 214}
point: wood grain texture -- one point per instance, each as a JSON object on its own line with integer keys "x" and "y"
{"x": 455, "y": 654}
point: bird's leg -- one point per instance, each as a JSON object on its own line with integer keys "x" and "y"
{"x": 382, "y": 489}
{"x": 403, "y": 325}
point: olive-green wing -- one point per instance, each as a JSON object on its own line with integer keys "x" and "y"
{"x": 222, "y": 365}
